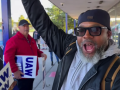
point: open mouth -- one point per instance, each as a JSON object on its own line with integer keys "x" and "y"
{"x": 89, "y": 47}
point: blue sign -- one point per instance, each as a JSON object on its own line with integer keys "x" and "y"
{"x": 27, "y": 65}
{"x": 19, "y": 62}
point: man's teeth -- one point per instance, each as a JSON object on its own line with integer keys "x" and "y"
{"x": 89, "y": 50}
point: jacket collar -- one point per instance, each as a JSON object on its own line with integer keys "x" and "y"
{"x": 94, "y": 70}
{"x": 106, "y": 57}
{"x": 22, "y": 36}
{"x": 112, "y": 49}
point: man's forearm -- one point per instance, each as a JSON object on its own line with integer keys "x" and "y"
{"x": 55, "y": 38}
{"x": 36, "y": 14}
{"x": 39, "y": 53}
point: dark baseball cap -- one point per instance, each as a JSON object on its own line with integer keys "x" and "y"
{"x": 23, "y": 22}
{"x": 96, "y": 15}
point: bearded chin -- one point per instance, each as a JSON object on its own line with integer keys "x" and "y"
{"x": 92, "y": 59}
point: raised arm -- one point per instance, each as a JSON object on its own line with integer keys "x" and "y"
{"x": 55, "y": 38}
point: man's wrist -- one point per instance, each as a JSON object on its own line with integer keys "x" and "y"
{"x": 15, "y": 70}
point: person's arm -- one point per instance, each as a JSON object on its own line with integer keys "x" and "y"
{"x": 1, "y": 64}
{"x": 55, "y": 38}
{"x": 41, "y": 54}
{"x": 9, "y": 55}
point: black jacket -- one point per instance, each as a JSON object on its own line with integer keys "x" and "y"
{"x": 65, "y": 48}
{"x": 50, "y": 50}
{"x": 36, "y": 36}
{"x": 1, "y": 64}
{"x": 1, "y": 58}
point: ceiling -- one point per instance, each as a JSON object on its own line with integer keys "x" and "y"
{"x": 75, "y": 7}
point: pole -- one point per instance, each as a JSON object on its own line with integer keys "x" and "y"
{"x": 6, "y": 19}
{"x": 66, "y": 17}
{"x": 74, "y": 23}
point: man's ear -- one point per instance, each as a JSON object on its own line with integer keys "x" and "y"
{"x": 109, "y": 33}
{"x": 19, "y": 27}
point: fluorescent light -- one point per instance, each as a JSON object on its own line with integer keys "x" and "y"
{"x": 113, "y": 19}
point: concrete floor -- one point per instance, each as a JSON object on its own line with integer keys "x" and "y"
{"x": 38, "y": 83}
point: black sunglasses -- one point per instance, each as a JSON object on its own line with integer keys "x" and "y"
{"x": 93, "y": 31}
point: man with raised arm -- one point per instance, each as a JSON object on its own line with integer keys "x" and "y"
{"x": 89, "y": 60}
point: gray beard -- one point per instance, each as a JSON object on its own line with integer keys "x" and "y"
{"x": 95, "y": 58}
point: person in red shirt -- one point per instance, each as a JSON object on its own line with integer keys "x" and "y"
{"x": 22, "y": 44}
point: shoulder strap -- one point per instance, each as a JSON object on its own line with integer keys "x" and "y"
{"x": 110, "y": 74}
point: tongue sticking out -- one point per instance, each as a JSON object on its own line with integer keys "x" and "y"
{"x": 89, "y": 47}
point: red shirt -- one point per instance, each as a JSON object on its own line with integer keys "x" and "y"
{"x": 19, "y": 45}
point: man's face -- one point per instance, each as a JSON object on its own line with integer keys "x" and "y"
{"x": 90, "y": 44}
{"x": 24, "y": 29}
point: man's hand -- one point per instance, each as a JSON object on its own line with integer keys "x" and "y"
{"x": 17, "y": 74}
{"x": 44, "y": 56}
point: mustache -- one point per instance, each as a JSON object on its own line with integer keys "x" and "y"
{"x": 88, "y": 40}
{"x": 26, "y": 30}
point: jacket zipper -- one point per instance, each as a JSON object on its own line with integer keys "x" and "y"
{"x": 31, "y": 49}
{"x": 88, "y": 80}
{"x": 62, "y": 67}
{"x": 60, "y": 74}
{"x": 30, "y": 46}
